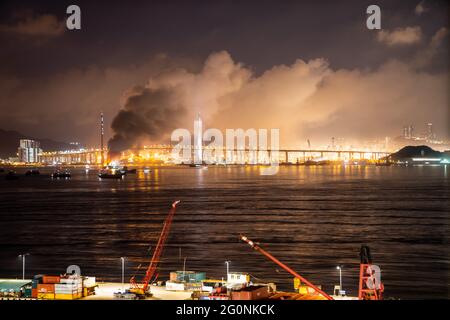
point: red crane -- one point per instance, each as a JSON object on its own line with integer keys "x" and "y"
{"x": 285, "y": 267}
{"x": 142, "y": 288}
{"x": 370, "y": 285}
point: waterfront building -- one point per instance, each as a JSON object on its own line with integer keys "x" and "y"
{"x": 29, "y": 151}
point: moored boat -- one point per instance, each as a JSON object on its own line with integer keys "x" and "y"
{"x": 11, "y": 175}
{"x": 32, "y": 172}
{"x": 61, "y": 174}
{"x": 110, "y": 174}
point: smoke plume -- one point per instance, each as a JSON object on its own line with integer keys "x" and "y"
{"x": 307, "y": 99}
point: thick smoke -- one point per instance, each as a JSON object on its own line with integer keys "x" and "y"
{"x": 147, "y": 113}
{"x": 171, "y": 99}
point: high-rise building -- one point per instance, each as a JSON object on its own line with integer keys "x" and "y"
{"x": 198, "y": 140}
{"x": 29, "y": 150}
{"x": 410, "y": 132}
{"x": 405, "y": 132}
{"x": 430, "y": 134}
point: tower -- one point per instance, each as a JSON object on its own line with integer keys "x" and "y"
{"x": 430, "y": 135}
{"x": 198, "y": 139}
{"x": 405, "y": 132}
{"x": 102, "y": 132}
{"x": 410, "y": 132}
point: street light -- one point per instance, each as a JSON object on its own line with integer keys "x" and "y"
{"x": 340, "y": 278}
{"x": 123, "y": 271}
{"x": 227, "y": 262}
{"x": 23, "y": 264}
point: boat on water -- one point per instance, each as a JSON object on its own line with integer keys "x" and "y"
{"x": 125, "y": 170}
{"x": 11, "y": 175}
{"x": 383, "y": 163}
{"x": 32, "y": 172}
{"x": 110, "y": 174}
{"x": 59, "y": 174}
{"x": 317, "y": 162}
{"x": 199, "y": 166}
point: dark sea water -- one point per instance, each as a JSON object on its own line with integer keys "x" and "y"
{"x": 311, "y": 218}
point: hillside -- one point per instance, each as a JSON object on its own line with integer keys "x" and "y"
{"x": 416, "y": 152}
{"x": 9, "y": 142}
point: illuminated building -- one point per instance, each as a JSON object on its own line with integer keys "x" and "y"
{"x": 198, "y": 140}
{"x": 81, "y": 156}
{"x": 430, "y": 135}
{"x": 29, "y": 151}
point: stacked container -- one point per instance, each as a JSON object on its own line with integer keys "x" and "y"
{"x": 34, "y": 291}
{"x": 45, "y": 291}
{"x": 89, "y": 285}
{"x": 69, "y": 288}
{"x": 187, "y": 276}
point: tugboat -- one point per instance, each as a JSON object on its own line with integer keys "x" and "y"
{"x": 11, "y": 175}
{"x": 32, "y": 172}
{"x": 61, "y": 174}
{"x": 110, "y": 174}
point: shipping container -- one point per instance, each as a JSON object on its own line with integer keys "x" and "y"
{"x": 190, "y": 276}
{"x": 51, "y": 279}
{"x": 63, "y": 296}
{"x": 89, "y": 282}
{"x": 193, "y": 286}
{"x": 48, "y": 296}
{"x": 67, "y": 285}
{"x": 174, "y": 286}
{"x": 220, "y": 296}
{"x": 66, "y": 291}
{"x": 70, "y": 280}
{"x": 44, "y": 288}
{"x": 251, "y": 293}
{"x": 28, "y": 293}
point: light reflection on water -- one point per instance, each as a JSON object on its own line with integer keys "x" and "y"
{"x": 312, "y": 218}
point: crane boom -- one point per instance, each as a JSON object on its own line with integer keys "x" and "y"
{"x": 151, "y": 270}
{"x": 285, "y": 267}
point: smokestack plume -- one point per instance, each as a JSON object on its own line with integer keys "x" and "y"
{"x": 148, "y": 115}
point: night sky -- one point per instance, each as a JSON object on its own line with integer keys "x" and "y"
{"x": 310, "y": 68}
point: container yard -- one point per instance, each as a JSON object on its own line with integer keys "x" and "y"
{"x": 188, "y": 284}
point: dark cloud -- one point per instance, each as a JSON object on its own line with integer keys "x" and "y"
{"x": 30, "y": 24}
{"x": 148, "y": 115}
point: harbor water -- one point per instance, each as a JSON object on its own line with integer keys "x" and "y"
{"x": 312, "y": 218}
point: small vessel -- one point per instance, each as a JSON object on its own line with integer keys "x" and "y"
{"x": 313, "y": 162}
{"x": 125, "y": 170}
{"x": 58, "y": 174}
{"x": 11, "y": 175}
{"x": 110, "y": 174}
{"x": 200, "y": 166}
{"x": 32, "y": 172}
{"x": 383, "y": 163}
